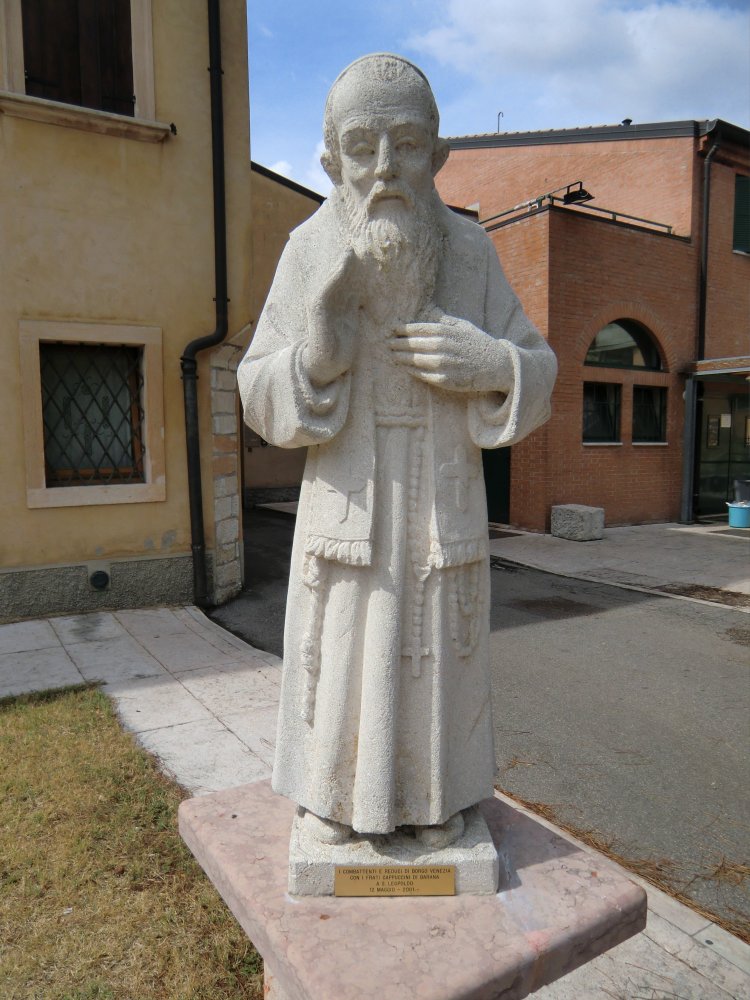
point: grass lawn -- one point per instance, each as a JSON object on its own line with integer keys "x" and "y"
{"x": 99, "y": 897}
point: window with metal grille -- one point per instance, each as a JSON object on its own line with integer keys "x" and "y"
{"x": 649, "y": 414}
{"x": 79, "y": 52}
{"x": 601, "y": 412}
{"x": 92, "y": 408}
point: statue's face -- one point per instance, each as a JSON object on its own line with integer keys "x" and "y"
{"x": 386, "y": 151}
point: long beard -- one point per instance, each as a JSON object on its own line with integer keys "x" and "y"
{"x": 399, "y": 246}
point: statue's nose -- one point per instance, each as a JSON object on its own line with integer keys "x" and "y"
{"x": 386, "y": 166}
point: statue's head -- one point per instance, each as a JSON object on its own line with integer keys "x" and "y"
{"x": 381, "y": 134}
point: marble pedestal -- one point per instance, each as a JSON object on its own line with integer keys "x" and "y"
{"x": 557, "y": 907}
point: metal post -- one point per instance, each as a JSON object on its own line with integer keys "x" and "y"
{"x": 688, "y": 451}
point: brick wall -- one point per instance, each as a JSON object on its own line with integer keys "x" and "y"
{"x": 650, "y": 178}
{"x": 523, "y": 249}
{"x": 599, "y": 272}
{"x": 728, "y": 303}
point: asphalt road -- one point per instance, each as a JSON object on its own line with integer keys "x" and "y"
{"x": 624, "y": 713}
{"x": 627, "y": 713}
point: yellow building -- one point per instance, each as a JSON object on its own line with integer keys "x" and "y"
{"x": 107, "y": 239}
{"x": 278, "y": 206}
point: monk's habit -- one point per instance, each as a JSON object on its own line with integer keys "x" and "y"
{"x": 385, "y": 715}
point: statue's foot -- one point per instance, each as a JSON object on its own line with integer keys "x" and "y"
{"x": 327, "y": 831}
{"x": 435, "y": 837}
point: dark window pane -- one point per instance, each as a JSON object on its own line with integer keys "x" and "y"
{"x": 79, "y": 52}
{"x": 624, "y": 344}
{"x": 51, "y": 54}
{"x": 649, "y": 413}
{"x": 601, "y": 412}
{"x": 93, "y": 414}
{"x": 741, "y": 239}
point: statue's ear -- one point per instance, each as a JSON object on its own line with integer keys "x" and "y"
{"x": 331, "y": 165}
{"x": 440, "y": 155}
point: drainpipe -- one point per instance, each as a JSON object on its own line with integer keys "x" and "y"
{"x": 188, "y": 362}
{"x": 688, "y": 451}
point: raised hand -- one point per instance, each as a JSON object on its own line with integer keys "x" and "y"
{"x": 453, "y": 354}
{"x": 332, "y": 321}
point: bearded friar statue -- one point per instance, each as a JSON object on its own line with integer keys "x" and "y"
{"x": 392, "y": 346}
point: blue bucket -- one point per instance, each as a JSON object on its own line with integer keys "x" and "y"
{"x": 739, "y": 515}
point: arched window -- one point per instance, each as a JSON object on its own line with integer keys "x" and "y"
{"x": 624, "y": 344}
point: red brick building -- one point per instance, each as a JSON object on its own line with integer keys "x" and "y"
{"x": 650, "y": 320}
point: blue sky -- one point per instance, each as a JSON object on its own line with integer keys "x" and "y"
{"x": 542, "y": 63}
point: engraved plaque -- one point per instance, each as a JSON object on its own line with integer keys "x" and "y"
{"x": 395, "y": 880}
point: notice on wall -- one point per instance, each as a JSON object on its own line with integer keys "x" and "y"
{"x": 726, "y": 420}
{"x": 395, "y": 880}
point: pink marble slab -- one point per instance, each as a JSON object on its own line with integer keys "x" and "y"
{"x": 558, "y": 907}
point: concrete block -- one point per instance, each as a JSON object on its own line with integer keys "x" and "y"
{"x": 223, "y": 401}
{"x": 228, "y": 576}
{"x": 224, "y": 423}
{"x": 577, "y": 522}
{"x": 228, "y": 531}
{"x": 221, "y": 378}
{"x": 225, "y": 486}
{"x": 312, "y": 865}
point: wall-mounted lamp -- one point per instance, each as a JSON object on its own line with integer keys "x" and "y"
{"x": 576, "y": 193}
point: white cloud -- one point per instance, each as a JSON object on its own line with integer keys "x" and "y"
{"x": 315, "y": 176}
{"x": 284, "y": 168}
{"x": 588, "y": 61}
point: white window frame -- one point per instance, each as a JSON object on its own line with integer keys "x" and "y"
{"x": 15, "y": 102}
{"x": 149, "y": 339}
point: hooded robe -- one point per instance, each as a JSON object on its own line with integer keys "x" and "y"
{"x": 385, "y": 715}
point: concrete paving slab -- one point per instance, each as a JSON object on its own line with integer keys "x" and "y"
{"x": 282, "y": 506}
{"x": 728, "y": 946}
{"x": 647, "y": 555}
{"x": 204, "y": 756}
{"x": 151, "y": 622}
{"x": 263, "y": 670}
{"x": 37, "y": 670}
{"x": 222, "y": 638}
{"x": 154, "y": 702}
{"x": 87, "y": 628}
{"x": 638, "y": 969}
{"x": 225, "y": 693}
{"x": 113, "y": 659}
{"x": 680, "y": 916}
{"x": 186, "y": 650}
{"x": 20, "y": 636}
{"x": 713, "y": 966}
{"x": 256, "y": 728}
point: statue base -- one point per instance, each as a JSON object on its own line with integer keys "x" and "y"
{"x": 472, "y": 857}
{"x": 557, "y": 906}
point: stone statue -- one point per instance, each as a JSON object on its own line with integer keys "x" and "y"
{"x": 393, "y": 347}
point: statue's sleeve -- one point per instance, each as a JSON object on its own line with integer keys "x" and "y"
{"x": 279, "y": 401}
{"x": 497, "y": 420}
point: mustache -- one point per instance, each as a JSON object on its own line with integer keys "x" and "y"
{"x": 385, "y": 192}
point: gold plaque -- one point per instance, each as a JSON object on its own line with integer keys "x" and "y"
{"x": 395, "y": 880}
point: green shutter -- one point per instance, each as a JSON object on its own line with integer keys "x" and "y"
{"x": 741, "y": 239}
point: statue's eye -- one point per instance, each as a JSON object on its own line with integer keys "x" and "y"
{"x": 362, "y": 149}
{"x": 406, "y": 145}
